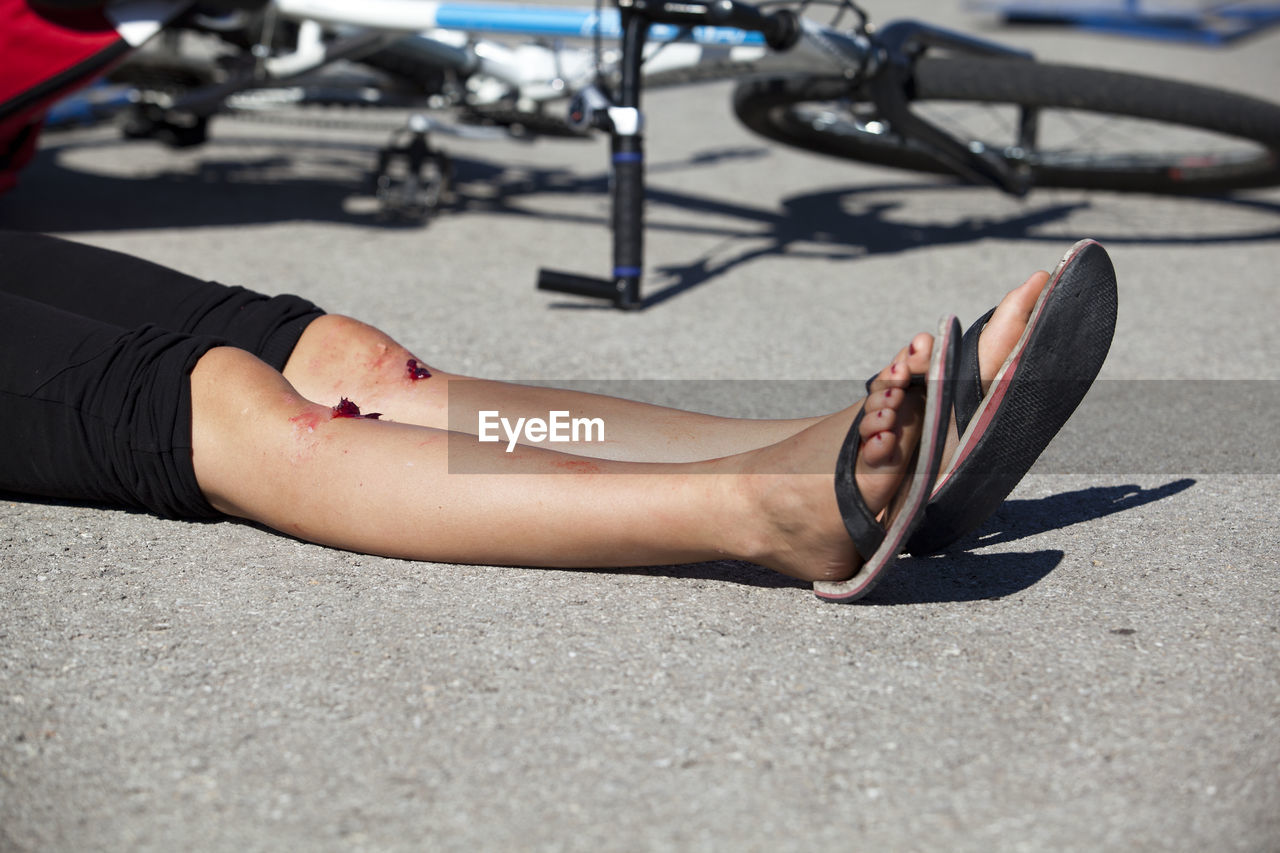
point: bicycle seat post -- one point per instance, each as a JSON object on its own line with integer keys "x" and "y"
{"x": 625, "y": 124}
{"x": 627, "y": 149}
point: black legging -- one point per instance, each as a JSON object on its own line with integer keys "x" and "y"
{"x": 96, "y": 354}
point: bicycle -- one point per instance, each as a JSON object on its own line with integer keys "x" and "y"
{"x": 885, "y": 96}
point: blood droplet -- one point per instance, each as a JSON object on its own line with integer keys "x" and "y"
{"x": 348, "y": 409}
{"x": 417, "y": 371}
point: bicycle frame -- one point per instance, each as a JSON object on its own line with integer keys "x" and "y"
{"x": 729, "y": 36}
{"x": 443, "y": 29}
{"x": 742, "y": 38}
{"x": 412, "y": 16}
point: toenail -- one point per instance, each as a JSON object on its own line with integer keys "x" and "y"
{"x": 911, "y": 350}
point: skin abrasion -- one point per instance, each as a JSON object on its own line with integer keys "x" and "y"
{"x": 416, "y": 370}
{"x": 348, "y": 409}
{"x": 306, "y": 420}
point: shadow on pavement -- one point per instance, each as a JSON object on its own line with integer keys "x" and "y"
{"x": 959, "y": 574}
{"x": 955, "y": 576}
{"x": 962, "y": 577}
{"x": 1019, "y": 518}
{"x": 214, "y": 191}
{"x": 329, "y": 181}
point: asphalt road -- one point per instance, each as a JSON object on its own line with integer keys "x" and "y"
{"x": 1096, "y": 670}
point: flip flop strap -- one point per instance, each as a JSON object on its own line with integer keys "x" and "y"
{"x": 968, "y": 393}
{"x": 859, "y": 520}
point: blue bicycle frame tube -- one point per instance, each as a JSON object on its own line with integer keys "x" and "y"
{"x": 512, "y": 19}
{"x": 574, "y": 23}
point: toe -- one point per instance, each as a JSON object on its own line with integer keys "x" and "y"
{"x": 889, "y": 424}
{"x": 878, "y": 457}
{"x": 896, "y": 375}
{"x": 919, "y": 352}
{"x": 880, "y": 420}
{"x": 913, "y": 358}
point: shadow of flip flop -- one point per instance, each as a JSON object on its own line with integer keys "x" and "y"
{"x": 958, "y": 577}
{"x": 1019, "y": 518}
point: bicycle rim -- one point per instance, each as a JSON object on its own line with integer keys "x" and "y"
{"x": 1093, "y": 129}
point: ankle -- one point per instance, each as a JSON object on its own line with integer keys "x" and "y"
{"x": 782, "y": 513}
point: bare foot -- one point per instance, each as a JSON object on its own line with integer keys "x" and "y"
{"x": 801, "y": 532}
{"x": 997, "y": 340}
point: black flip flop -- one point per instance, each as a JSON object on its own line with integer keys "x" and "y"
{"x": 1037, "y": 388}
{"x": 881, "y": 545}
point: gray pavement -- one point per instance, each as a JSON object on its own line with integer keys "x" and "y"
{"x": 1096, "y": 670}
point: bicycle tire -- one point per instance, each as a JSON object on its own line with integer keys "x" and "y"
{"x": 784, "y": 109}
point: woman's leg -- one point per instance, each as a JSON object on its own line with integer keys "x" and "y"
{"x": 264, "y": 452}
{"x": 340, "y": 357}
{"x": 330, "y": 357}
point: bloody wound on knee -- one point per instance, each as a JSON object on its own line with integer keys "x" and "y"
{"x": 417, "y": 371}
{"x": 348, "y": 409}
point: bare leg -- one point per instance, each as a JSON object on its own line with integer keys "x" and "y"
{"x": 341, "y": 357}
{"x": 262, "y": 451}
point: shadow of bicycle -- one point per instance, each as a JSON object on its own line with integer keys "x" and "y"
{"x": 327, "y": 180}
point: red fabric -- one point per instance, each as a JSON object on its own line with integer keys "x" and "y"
{"x": 35, "y": 48}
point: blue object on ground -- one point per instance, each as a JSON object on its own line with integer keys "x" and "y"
{"x": 1210, "y": 23}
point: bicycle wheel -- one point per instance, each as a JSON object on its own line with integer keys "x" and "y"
{"x": 1096, "y": 129}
